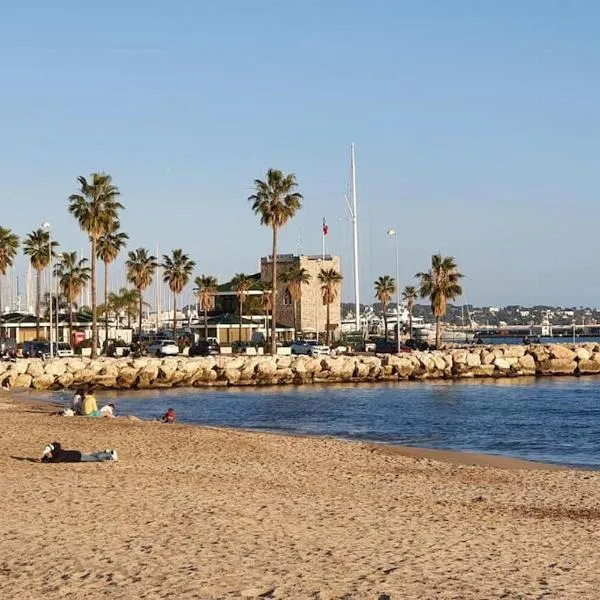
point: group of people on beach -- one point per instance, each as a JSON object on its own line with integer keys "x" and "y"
{"x": 84, "y": 403}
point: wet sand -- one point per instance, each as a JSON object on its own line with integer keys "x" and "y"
{"x": 194, "y": 512}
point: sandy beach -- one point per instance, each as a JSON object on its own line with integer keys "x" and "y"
{"x": 193, "y": 512}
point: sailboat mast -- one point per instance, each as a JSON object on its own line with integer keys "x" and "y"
{"x": 355, "y": 231}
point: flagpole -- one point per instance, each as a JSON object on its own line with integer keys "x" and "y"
{"x": 355, "y": 231}
{"x": 323, "y": 240}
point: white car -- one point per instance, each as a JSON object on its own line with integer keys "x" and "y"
{"x": 62, "y": 349}
{"x": 310, "y": 348}
{"x": 162, "y": 348}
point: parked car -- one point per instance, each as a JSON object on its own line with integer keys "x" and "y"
{"x": 162, "y": 348}
{"x": 205, "y": 347}
{"x": 8, "y": 348}
{"x": 35, "y": 350}
{"x": 389, "y": 347}
{"x": 310, "y": 348}
{"x": 62, "y": 349}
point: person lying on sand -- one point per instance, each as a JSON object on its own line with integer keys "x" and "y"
{"x": 169, "y": 416}
{"x": 108, "y": 410}
{"x": 54, "y": 453}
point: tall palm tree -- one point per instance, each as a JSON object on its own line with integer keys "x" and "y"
{"x": 240, "y": 284}
{"x": 9, "y": 244}
{"x": 38, "y": 247}
{"x": 276, "y": 202}
{"x": 178, "y": 269}
{"x": 140, "y": 272}
{"x": 205, "y": 288}
{"x": 110, "y": 244}
{"x": 385, "y": 288}
{"x": 440, "y": 284}
{"x": 330, "y": 281}
{"x": 96, "y": 208}
{"x": 410, "y": 295}
{"x": 72, "y": 274}
{"x": 294, "y": 278}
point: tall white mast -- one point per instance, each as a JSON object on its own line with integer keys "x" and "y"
{"x": 355, "y": 231}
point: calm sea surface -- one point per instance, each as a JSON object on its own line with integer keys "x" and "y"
{"x": 553, "y": 420}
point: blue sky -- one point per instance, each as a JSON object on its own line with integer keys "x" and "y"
{"x": 476, "y": 127}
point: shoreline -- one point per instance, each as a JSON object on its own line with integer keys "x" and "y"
{"x": 453, "y": 457}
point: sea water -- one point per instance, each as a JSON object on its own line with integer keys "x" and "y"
{"x": 555, "y": 420}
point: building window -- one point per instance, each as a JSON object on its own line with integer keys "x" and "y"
{"x": 287, "y": 298}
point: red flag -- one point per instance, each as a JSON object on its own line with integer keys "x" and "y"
{"x": 325, "y": 227}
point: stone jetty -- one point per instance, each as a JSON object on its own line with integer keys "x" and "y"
{"x": 241, "y": 370}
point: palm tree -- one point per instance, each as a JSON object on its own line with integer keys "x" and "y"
{"x": 205, "y": 288}
{"x": 96, "y": 208}
{"x": 140, "y": 271}
{"x": 330, "y": 280}
{"x": 276, "y": 202}
{"x": 385, "y": 288}
{"x": 73, "y": 274}
{"x": 440, "y": 284}
{"x": 410, "y": 295}
{"x": 9, "y": 244}
{"x": 110, "y": 243}
{"x": 240, "y": 284}
{"x": 294, "y": 278}
{"x": 38, "y": 247}
{"x": 126, "y": 300}
{"x": 178, "y": 269}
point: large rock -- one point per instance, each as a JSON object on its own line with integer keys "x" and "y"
{"x": 526, "y": 363}
{"x": 557, "y": 366}
{"x": 514, "y": 351}
{"x": 473, "y": 360}
{"x": 43, "y": 382}
{"x": 35, "y": 368}
{"x": 127, "y": 377}
{"x": 562, "y": 352}
{"x": 66, "y": 380}
{"x": 588, "y": 366}
{"x": 583, "y": 353}
{"x": 55, "y": 367}
{"x": 502, "y": 364}
{"x": 22, "y": 380}
{"x": 266, "y": 366}
{"x": 231, "y": 375}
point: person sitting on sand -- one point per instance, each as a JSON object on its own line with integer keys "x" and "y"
{"x": 77, "y": 401}
{"x": 107, "y": 410}
{"x": 54, "y": 453}
{"x": 169, "y": 416}
{"x": 89, "y": 408}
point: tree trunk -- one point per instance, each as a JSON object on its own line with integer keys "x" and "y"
{"x": 106, "y": 307}
{"x": 70, "y": 315}
{"x": 94, "y": 308}
{"x": 205, "y": 324}
{"x": 274, "y": 294}
{"x": 327, "y": 332}
{"x": 410, "y": 323}
{"x": 174, "y": 317}
{"x": 38, "y": 291}
{"x": 385, "y": 322}
{"x": 240, "y": 326}
{"x": 140, "y": 316}
{"x": 295, "y": 319}
{"x": 437, "y": 332}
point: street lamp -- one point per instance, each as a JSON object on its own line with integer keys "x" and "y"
{"x": 46, "y": 227}
{"x": 393, "y": 233}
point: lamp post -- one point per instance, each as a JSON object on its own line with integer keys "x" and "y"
{"x": 393, "y": 233}
{"x": 46, "y": 227}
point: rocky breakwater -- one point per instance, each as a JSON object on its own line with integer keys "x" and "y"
{"x": 151, "y": 373}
